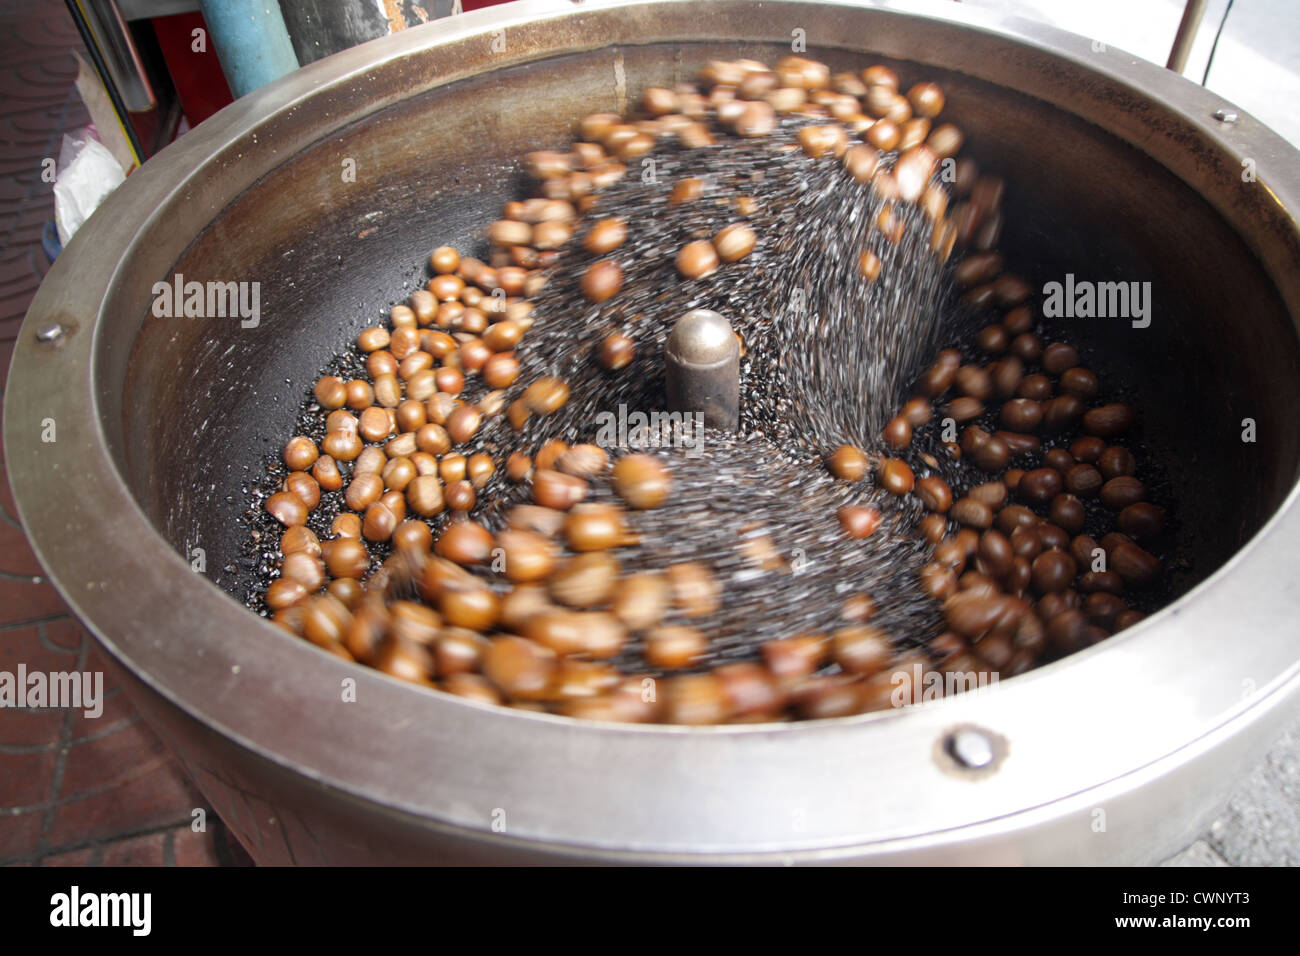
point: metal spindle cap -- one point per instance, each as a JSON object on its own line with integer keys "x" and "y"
{"x": 701, "y": 337}
{"x": 702, "y": 368}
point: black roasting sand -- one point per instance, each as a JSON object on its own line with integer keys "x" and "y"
{"x": 828, "y": 359}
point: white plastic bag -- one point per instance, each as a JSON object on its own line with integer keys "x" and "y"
{"x": 85, "y": 175}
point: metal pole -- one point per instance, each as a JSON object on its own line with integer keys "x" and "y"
{"x": 1191, "y": 22}
{"x": 251, "y": 42}
{"x": 702, "y": 369}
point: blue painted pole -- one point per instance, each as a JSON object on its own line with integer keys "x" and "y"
{"x": 251, "y": 42}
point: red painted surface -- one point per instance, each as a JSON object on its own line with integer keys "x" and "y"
{"x": 196, "y": 75}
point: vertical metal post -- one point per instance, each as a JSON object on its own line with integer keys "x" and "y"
{"x": 702, "y": 369}
{"x": 251, "y": 42}
{"x": 1193, "y": 13}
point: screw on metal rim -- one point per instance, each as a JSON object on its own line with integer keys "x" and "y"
{"x": 1225, "y": 116}
{"x": 50, "y": 333}
{"x": 971, "y": 747}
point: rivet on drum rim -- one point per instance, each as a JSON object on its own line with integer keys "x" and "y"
{"x": 50, "y": 333}
{"x": 1225, "y": 116}
{"x": 971, "y": 750}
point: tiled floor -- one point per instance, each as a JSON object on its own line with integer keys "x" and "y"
{"x": 75, "y": 791}
{"x": 72, "y": 790}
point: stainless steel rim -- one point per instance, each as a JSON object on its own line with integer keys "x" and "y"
{"x": 1174, "y": 685}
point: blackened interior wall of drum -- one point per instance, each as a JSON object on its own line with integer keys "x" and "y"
{"x": 203, "y": 400}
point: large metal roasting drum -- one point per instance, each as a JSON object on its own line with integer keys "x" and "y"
{"x": 1118, "y": 753}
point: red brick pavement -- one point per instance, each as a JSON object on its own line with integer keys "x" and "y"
{"x": 74, "y": 791}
